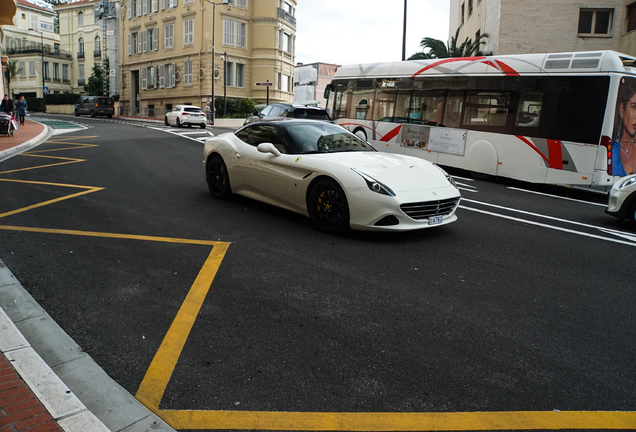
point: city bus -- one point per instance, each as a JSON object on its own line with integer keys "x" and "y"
{"x": 560, "y": 118}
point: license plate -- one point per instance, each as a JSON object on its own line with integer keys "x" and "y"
{"x": 434, "y": 220}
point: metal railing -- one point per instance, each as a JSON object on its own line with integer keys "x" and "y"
{"x": 81, "y": 82}
{"x": 80, "y": 55}
{"x": 38, "y": 50}
{"x": 97, "y": 54}
{"x": 144, "y": 112}
{"x": 284, "y": 15}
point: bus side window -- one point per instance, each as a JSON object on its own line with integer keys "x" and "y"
{"x": 529, "y": 111}
{"x": 453, "y": 110}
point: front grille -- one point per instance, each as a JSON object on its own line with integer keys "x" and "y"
{"x": 424, "y": 210}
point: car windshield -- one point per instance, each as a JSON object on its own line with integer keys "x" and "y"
{"x": 193, "y": 109}
{"x": 306, "y": 138}
{"x": 105, "y": 101}
{"x": 312, "y": 114}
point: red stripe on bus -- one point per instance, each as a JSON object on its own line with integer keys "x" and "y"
{"x": 392, "y": 134}
{"x": 448, "y": 60}
{"x": 362, "y": 126}
{"x": 533, "y": 147}
{"x": 556, "y": 154}
{"x": 502, "y": 67}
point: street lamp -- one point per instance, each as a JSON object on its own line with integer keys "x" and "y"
{"x": 404, "y": 34}
{"x": 224, "y": 58}
{"x": 225, "y": 2}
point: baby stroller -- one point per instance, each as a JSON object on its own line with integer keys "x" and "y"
{"x": 6, "y": 124}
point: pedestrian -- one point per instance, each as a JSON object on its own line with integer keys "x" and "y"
{"x": 208, "y": 113}
{"x": 21, "y": 108}
{"x": 7, "y": 105}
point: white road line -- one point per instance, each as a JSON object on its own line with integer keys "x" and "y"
{"x": 193, "y": 133}
{"x": 547, "y": 226}
{"x": 466, "y": 185}
{"x": 467, "y": 190}
{"x": 556, "y": 196}
{"x": 463, "y": 178}
{"x": 603, "y": 229}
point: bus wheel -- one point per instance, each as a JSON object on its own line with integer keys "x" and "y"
{"x": 631, "y": 214}
{"x": 360, "y": 133}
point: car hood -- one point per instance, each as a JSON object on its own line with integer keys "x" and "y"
{"x": 400, "y": 173}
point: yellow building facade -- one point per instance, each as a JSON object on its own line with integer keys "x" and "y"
{"x": 166, "y": 53}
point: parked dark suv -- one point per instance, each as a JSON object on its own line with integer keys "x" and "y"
{"x": 95, "y": 105}
{"x": 280, "y": 110}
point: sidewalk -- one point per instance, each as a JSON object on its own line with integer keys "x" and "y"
{"x": 47, "y": 382}
{"x": 26, "y": 137}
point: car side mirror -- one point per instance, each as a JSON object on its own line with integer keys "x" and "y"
{"x": 268, "y": 148}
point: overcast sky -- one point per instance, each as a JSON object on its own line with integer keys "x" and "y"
{"x": 365, "y": 31}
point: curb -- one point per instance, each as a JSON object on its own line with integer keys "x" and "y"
{"x": 78, "y": 394}
{"x": 28, "y": 145}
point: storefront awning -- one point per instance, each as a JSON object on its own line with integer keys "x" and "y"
{"x": 7, "y": 11}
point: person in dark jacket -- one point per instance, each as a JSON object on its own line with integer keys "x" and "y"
{"x": 7, "y": 105}
{"x": 21, "y": 108}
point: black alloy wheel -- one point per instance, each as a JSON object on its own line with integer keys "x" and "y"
{"x": 217, "y": 178}
{"x": 328, "y": 207}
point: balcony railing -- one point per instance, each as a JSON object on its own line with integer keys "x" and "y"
{"x": 97, "y": 54}
{"x": 80, "y": 55}
{"x": 66, "y": 80}
{"x": 81, "y": 82}
{"x": 38, "y": 50}
{"x": 56, "y": 79}
{"x": 284, "y": 15}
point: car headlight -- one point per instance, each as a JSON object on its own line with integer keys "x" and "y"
{"x": 375, "y": 185}
{"x": 627, "y": 183}
{"x": 448, "y": 177}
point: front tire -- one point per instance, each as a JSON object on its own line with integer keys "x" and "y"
{"x": 217, "y": 178}
{"x": 165, "y": 120}
{"x": 178, "y": 122}
{"x": 92, "y": 113}
{"x": 328, "y": 207}
{"x": 76, "y": 113}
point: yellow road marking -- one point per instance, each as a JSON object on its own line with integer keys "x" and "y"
{"x": 158, "y": 374}
{"x": 46, "y": 183}
{"x": 75, "y": 147}
{"x": 45, "y": 203}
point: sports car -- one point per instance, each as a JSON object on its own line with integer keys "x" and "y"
{"x": 323, "y": 171}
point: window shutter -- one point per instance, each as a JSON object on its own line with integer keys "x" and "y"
{"x": 129, "y": 44}
{"x": 155, "y": 39}
{"x": 145, "y": 2}
{"x": 139, "y": 41}
{"x": 138, "y": 8}
{"x": 161, "y": 80}
{"x": 153, "y": 6}
{"x": 145, "y": 40}
{"x": 162, "y": 3}
{"x": 129, "y": 9}
{"x": 173, "y": 74}
{"x": 144, "y": 78}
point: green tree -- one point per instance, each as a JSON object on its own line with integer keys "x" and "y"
{"x": 435, "y": 48}
{"x": 95, "y": 84}
{"x": 11, "y": 71}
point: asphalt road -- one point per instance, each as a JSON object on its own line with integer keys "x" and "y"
{"x": 526, "y": 303}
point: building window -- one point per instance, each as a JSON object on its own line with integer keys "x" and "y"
{"x": 80, "y": 18}
{"x": 284, "y": 85}
{"x": 65, "y": 77}
{"x": 187, "y": 72}
{"x": 31, "y": 68}
{"x": 56, "y": 71}
{"x": 241, "y": 3}
{"x": 228, "y": 32}
{"x": 229, "y": 68}
{"x": 287, "y": 42}
{"x": 172, "y": 3}
{"x": 80, "y": 48}
{"x": 631, "y": 17}
{"x": 241, "y": 35}
{"x": 470, "y": 8}
{"x": 98, "y": 47}
{"x": 188, "y": 32}
{"x": 81, "y": 79}
{"x": 22, "y": 69}
{"x": 595, "y": 22}
{"x": 168, "y": 31}
{"x": 240, "y": 75}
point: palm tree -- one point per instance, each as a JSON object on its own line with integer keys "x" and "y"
{"x": 438, "y": 49}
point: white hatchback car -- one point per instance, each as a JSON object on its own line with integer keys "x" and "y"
{"x": 622, "y": 199}
{"x": 186, "y": 115}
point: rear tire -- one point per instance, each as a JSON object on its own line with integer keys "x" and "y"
{"x": 217, "y": 178}
{"x": 76, "y": 113}
{"x": 202, "y": 126}
{"x": 92, "y": 113}
{"x": 328, "y": 207}
{"x": 110, "y": 116}
{"x": 631, "y": 215}
{"x": 178, "y": 122}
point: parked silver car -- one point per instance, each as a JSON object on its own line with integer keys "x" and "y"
{"x": 186, "y": 115}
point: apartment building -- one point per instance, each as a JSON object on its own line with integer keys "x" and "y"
{"x": 518, "y": 27}
{"x": 88, "y": 30}
{"x": 33, "y": 43}
{"x": 191, "y": 51}
{"x": 310, "y": 81}
{"x": 8, "y": 9}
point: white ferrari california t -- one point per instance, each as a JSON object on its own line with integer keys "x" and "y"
{"x": 323, "y": 171}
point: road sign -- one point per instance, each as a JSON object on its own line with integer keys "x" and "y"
{"x": 45, "y": 90}
{"x": 263, "y": 84}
